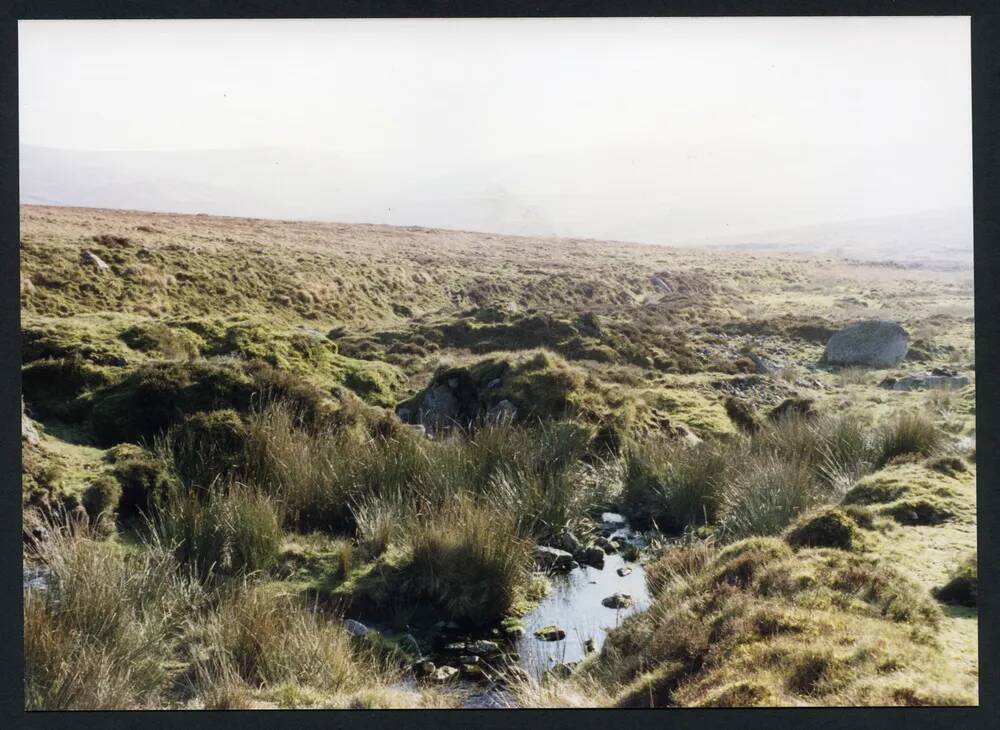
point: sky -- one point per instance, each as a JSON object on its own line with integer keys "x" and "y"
{"x": 642, "y": 129}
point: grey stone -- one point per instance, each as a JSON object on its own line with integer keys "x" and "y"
{"x": 502, "y": 412}
{"x": 439, "y": 407}
{"x": 624, "y": 570}
{"x": 931, "y": 382}
{"x": 550, "y": 633}
{"x": 605, "y": 544}
{"x": 355, "y": 628}
{"x": 570, "y": 542}
{"x": 874, "y": 343}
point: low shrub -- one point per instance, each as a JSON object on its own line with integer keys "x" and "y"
{"x": 101, "y": 497}
{"x": 144, "y": 477}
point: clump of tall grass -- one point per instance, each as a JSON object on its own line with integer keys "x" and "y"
{"x": 258, "y": 639}
{"x": 98, "y": 632}
{"x": 908, "y": 433}
{"x": 223, "y": 531}
{"x": 674, "y": 485}
{"x": 468, "y": 560}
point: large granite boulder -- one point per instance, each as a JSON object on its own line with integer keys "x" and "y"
{"x": 874, "y": 343}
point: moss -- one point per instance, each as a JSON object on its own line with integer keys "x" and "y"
{"x": 918, "y": 511}
{"x": 947, "y": 465}
{"x": 144, "y": 479}
{"x": 740, "y": 414}
{"x": 741, "y": 562}
{"x": 102, "y": 496}
{"x": 829, "y": 527}
{"x": 57, "y": 388}
{"x": 156, "y": 395}
{"x": 162, "y": 339}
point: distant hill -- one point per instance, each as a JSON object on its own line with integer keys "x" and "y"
{"x": 936, "y": 240}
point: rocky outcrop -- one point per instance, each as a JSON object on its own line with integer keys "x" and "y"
{"x": 874, "y": 343}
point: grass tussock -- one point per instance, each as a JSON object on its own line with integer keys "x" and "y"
{"x": 962, "y": 588}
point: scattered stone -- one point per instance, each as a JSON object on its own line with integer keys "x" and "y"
{"x": 873, "y": 343}
{"x": 613, "y": 519}
{"x": 468, "y": 659}
{"x": 444, "y": 674}
{"x": 355, "y": 628}
{"x": 592, "y": 556}
{"x": 931, "y": 382}
{"x": 456, "y": 647}
{"x": 763, "y": 366}
{"x": 553, "y": 559}
{"x": 618, "y": 601}
{"x": 550, "y": 633}
{"x": 624, "y": 570}
{"x": 92, "y": 259}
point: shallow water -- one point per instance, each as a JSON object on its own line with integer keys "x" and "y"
{"x": 574, "y": 605}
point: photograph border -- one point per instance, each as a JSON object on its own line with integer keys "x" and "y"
{"x": 985, "y": 30}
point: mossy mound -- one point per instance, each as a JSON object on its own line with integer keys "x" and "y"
{"x": 830, "y": 527}
{"x": 143, "y": 477}
{"x": 910, "y": 492}
{"x": 962, "y": 589}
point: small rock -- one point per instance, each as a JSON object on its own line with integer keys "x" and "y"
{"x": 456, "y": 647}
{"x": 618, "y": 601}
{"x": 549, "y": 558}
{"x": 472, "y": 671}
{"x": 92, "y": 259}
{"x": 483, "y": 647}
{"x": 514, "y": 631}
{"x": 592, "y": 556}
{"x": 424, "y": 668}
{"x": 494, "y": 384}
{"x": 355, "y": 628}
{"x": 624, "y": 570}
{"x": 931, "y": 382}
{"x": 605, "y": 544}
{"x": 468, "y": 659}
{"x": 550, "y": 633}
{"x": 569, "y": 542}
{"x": 589, "y": 647}
{"x": 444, "y": 674}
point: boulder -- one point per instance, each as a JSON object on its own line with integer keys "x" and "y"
{"x": 440, "y": 407}
{"x": 931, "y": 382}
{"x": 549, "y": 558}
{"x": 874, "y": 343}
{"x": 618, "y": 601}
{"x": 424, "y": 668}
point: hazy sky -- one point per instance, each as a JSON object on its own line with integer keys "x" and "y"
{"x": 583, "y": 127}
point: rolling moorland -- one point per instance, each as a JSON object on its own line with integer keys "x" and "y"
{"x": 283, "y": 464}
